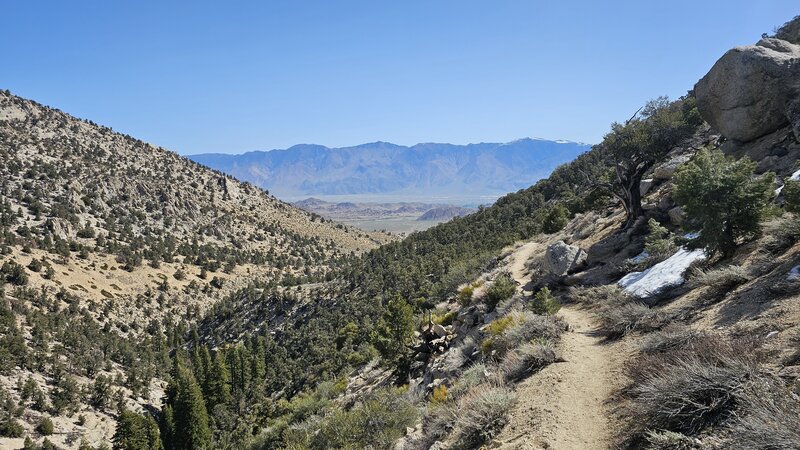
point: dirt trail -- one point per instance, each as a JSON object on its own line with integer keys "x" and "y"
{"x": 566, "y": 405}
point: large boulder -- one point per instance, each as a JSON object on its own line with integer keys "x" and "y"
{"x": 560, "y": 258}
{"x": 752, "y": 90}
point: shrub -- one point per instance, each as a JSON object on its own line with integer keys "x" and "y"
{"x": 465, "y": 295}
{"x": 791, "y": 196}
{"x": 524, "y": 327}
{"x": 598, "y": 296}
{"x": 722, "y": 199}
{"x": 482, "y": 413}
{"x": 527, "y": 359}
{"x": 378, "y": 421}
{"x": 11, "y": 427}
{"x": 439, "y": 394}
{"x": 446, "y": 318}
{"x": 658, "y": 244}
{"x": 769, "y": 418}
{"x": 672, "y": 337}
{"x": 721, "y": 280}
{"x": 473, "y": 376}
{"x": 669, "y": 440}
{"x": 688, "y": 389}
{"x": 35, "y": 265}
{"x": 781, "y": 233}
{"x": 503, "y": 288}
{"x": 555, "y": 219}
{"x": 544, "y": 303}
{"x": 45, "y": 427}
{"x": 622, "y": 319}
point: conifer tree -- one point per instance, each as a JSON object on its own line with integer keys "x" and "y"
{"x": 219, "y": 388}
{"x": 136, "y": 432}
{"x": 190, "y": 416}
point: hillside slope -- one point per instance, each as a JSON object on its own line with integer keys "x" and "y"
{"x": 110, "y": 250}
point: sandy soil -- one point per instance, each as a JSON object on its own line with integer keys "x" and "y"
{"x": 568, "y": 404}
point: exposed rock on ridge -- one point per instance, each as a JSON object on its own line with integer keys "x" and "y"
{"x": 753, "y": 90}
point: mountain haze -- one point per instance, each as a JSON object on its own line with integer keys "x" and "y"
{"x": 422, "y": 170}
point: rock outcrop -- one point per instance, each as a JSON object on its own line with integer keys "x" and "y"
{"x": 560, "y": 258}
{"x": 752, "y": 90}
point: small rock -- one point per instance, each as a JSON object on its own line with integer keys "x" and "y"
{"x": 771, "y": 334}
{"x": 676, "y": 215}
{"x": 645, "y": 186}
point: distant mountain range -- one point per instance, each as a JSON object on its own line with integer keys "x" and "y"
{"x": 423, "y": 170}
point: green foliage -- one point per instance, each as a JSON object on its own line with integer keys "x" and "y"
{"x": 394, "y": 332}
{"x": 13, "y": 273}
{"x": 45, "y": 427}
{"x": 658, "y": 243}
{"x": 722, "y": 199}
{"x": 632, "y": 148}
{"x": 11, "y": 427}
{"x": 555, "y": 219}
{"x": 503, "y": 288}
{"x": 136, "y": 432}
{"x": 376, "y": 422}
{"x": 791, "y": 195}
{"x": 544, "y": 302}
{"x": 465, "y": 295}
{"x": 13, "y": 349}
{"x": 191, "y": 426}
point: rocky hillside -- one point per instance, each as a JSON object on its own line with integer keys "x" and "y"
{"x": 643, "y": 296}
{"x": 423, "y": 170}
{"x": 111, "y": 248}
{"x": 444, "y": 213}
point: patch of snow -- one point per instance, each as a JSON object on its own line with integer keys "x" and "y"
{"x": 692, "y": 235}
{"x": 794, "y": 274}
{"x": 640, "y": 257}
{"x": 778, "y": 191}
{"x": 795, "y": 176}
{"x": 666, "y": 274}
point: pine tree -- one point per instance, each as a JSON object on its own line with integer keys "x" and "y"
{"x": 136, "y": 432}
{"x": 258, "y": 367}
{"x": 722, "y": 199}
{"x": 189, "y": 411}
{"x": 219, "y": 382}
{"x": 201, "y": 364}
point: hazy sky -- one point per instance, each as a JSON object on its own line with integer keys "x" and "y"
{"x": 235, "y": 76}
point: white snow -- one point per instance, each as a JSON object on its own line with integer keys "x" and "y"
{"x": 640, "y": 257}
{"x": 794, "y": 274}
{"x": 795, "y": 176}
{"x": 665, "y": 274}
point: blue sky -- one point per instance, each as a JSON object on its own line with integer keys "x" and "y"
{"x": 230, "y": 77}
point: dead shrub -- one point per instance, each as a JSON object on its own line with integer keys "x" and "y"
{"x": 622, "y": 319}
{"x": 597, "y": 296}
{"x": 688, "y": 389}
{"x": 781, "y": 233}
{"x": 672, "y": 337}
{"x": 482, "y": 413}
{"x": 529, "y": 358}
{"x": 721, "y": 280}
{"x": 768, "y": 419}
{"x": 521, "y": 328}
